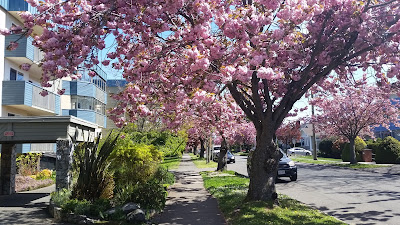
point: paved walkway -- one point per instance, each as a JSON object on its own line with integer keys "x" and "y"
{"x": 29, "y": 207}
{"x": 188, "y": 201}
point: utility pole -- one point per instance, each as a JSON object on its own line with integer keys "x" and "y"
{"x": 209, "y": 149}
{"x": 314, "y": 141}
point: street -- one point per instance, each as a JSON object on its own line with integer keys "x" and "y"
{"x": 355, "y": 197}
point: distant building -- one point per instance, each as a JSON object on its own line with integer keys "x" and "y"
{"x": 306, "y": 136}
{"x": 113, "y": 87}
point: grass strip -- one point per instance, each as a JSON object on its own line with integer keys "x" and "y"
{"x": 202, "y": 163}
{"x": 230, "y": 191}
{"x": 333, "y": 162}
{"x": 360, "y": 166}
{"x": 171, "y": 162}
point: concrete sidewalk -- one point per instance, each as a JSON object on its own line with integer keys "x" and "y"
{"x": 188, "y": 201}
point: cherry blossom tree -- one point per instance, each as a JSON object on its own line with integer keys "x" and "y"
{"x": 199, "y": 132}
{"x": 355, "y": 111}
{"x": 288, "y": 132}
{"x": 265, "y": 54}
{"x": 213, "y": 114}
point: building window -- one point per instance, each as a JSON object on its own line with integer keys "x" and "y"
{"x": 16, "y": 75}
{"x": 11, "y": 114}
{"x": 90, "y": 103}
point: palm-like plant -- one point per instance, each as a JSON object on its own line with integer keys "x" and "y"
{"x": 91, "y": 162}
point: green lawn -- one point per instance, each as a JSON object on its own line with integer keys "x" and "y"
{"x": 243, "y": 153}
{"x": 171, "y": 162}
{"x": 333, "y": 162}
{"x": 230, "y": 191}
{"x": 309, "y": 159}
{"x": 202, "y": 163}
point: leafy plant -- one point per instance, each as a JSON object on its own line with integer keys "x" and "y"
{"x": 44, "y": 174}
{"x": 388, "y": 151}
{"x": 359, "y": 146}
{"x": 60, "y": 197}
{"x": 325, "y": 146}
{"x": 374, "y": 144}
{"x": 91, "y": 163}
{"x": 150, "y": 195}
{"x": 28, "y": 163}
{"x": 132, "y": 162}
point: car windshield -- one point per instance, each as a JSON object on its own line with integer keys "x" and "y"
{"x": 229, "y": 153}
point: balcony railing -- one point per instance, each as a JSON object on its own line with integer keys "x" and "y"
{"x": 88, "y": 115}
{"x": 28, "y": 94}
{"x": 19, "y": 6}
{"x": 25, "y": 48}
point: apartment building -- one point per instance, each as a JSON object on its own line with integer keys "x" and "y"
{"x": 19, "y": 90}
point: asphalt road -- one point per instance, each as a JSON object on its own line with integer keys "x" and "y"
{"x": 355, "y": 197}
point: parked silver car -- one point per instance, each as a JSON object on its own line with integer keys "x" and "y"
{"x": 298, "y": 151}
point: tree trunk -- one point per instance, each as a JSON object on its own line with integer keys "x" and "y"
{"x": 222, "y": 165}
{"x": 264, "y": 166}
{"x": 353, "y": 158}
{"x": 202, "y": 148}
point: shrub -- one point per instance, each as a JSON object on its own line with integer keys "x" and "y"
{"x": 134, "y": 163}
{"x": 28, "y": 164}
{"x": 388, "y": 151}
{"x": 44, "y": 174}
{"x": 325, "y": 147}
{"x": 60, "y": 197}
{"x": 164, "y": 176}
{"x": 374, "y": 144}
{"x": 150, "y": 194}
{"x": 337, "y": 148}
{"x": 85, "y": 207}
{"x": 91, "y": 164}
{"x": 167, "y": 142}
{"x": 359, "y": 146}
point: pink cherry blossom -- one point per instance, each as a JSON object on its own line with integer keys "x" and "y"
{"x": 261, "y": 56}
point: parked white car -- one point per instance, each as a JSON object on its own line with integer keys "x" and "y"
{"x": 215, "y": 152}
{"x": 298, "y": 151}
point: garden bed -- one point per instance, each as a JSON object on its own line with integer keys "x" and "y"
{"x": 27, "y": 183}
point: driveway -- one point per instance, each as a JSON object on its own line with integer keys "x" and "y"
{"x": 28, "y": 207}
{"x": 355, "y": 197}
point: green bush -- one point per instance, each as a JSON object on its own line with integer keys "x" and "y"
{"x": 60, "y": 197}
{"x": 150, "y": 194}
{"x": 134, "y": 163}
{"x": 44, "y": 174}
{"x": 325, "y": 147}
{"x": 337, "y": 148}
{"x": 359, "y": 146}
{"x": 388, "y": 151}
{"x": 167, "y": 142}
{"x": 85, "y": 207}
{"x": 28, "y": 164}
{"x": 91, "y": 163}
{"x": 164, "y": 176}
{"x": 374, "y": 144}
